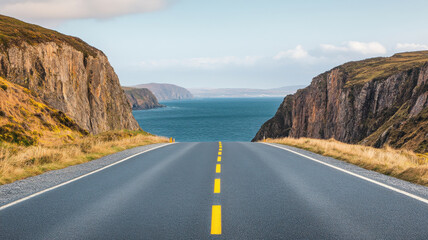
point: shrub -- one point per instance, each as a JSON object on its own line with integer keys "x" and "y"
{"x": 16, "y": 134}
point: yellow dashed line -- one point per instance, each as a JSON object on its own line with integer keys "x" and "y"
{"x": 216, "y": 209}
{"x": 218, "y": 168}
{"x": 217, "y": 185}
{"x": 216, "y": 220}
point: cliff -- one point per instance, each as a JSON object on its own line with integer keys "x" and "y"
{"x": 66, "y": 73}
{"x": 141, "y": 98}
{"x": 26, "y": 120}
{"x": 164, "y": 91}
{"x": 374, "y": 102}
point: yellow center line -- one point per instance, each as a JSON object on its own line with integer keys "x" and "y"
{"x": 216, "y": 209}
{"x": 218, "y": 168}
{"x": 216, "y": 220}
{"x": 217, "y": 185}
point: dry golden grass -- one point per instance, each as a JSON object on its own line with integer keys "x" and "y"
{"x": 18, "y": 162}
{"x": 26, "y": 120}
{"x": 401, "y": 164}
{"x": 360, "y": 72}
{"x": 35, "y": 138}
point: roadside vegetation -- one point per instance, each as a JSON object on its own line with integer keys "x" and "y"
{"x": 35, "y": 138}
{"x": 19, "y": 161}
{"x": 399, "y": 163}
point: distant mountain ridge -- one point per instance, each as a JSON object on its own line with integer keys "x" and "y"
{"x": 376, "y": 102}
{"x": 164, "y": 91}
{"x": 141, "y": 98}
{"x": 243, "y": 92}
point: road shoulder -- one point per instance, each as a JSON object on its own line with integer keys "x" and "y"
{"x": 25, "y": 187}
{"x": 412, "y": 188}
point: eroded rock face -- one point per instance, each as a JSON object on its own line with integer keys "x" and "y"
{"x": 392, "y": 111}
{"x": 83, "y": 86}
{"x": 141, "y": 98}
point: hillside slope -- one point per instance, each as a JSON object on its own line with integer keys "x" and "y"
{"x": 26, "y": 120}
{"x": 141, "y": 98}
{"x": 66, "y": 73}
{"x": 374, "y": 102}
{"x": 164, "y": 91}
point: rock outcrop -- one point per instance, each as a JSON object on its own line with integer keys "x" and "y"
{"x": 66, "y": 73}
{"x": 141, "y": 98}
{"x": 373, "y": 102}
{"x": 26, "y": 120}
{"x": 164, "y": 91}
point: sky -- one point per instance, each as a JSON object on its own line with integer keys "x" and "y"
{"x": 232, "y": 43}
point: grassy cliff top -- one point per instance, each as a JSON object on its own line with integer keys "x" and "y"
{"x": 14, "y": 32}
{"x": 360, "y": 72}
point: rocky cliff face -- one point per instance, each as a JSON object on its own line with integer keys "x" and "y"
{"x": 141, "y": 98}
{"x": 374, "y": 102}
{"x": 66, "y": 73}
{"x": 164, "y": 91}
{"x": 26, "y": 120}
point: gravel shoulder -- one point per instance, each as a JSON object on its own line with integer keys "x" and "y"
{"x": 25, "y": 187}
{"x": 22, "y": 188}
{"x": 412, "y": 188}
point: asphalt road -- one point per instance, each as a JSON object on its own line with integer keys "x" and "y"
{"x": 264, "y": 193}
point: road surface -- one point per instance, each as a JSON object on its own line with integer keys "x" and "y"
{"x": 186, "y": 191}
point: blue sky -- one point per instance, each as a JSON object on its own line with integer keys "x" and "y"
{"x": 232, "y": 43}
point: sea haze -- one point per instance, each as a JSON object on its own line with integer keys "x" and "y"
{"x": 205, "y": 120}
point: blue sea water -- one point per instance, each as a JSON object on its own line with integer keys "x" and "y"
{"x": 206, "y": 120}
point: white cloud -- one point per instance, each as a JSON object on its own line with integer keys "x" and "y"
{"x": 367, "y": 48}
{"x": 200, "y": 63}
{"x": 411, "y": 46}
{"x": 364, "y": 48}
{"x": 333, "y": 48}
{"x": 297, "y": 53}
{"x": 77, "y": 9}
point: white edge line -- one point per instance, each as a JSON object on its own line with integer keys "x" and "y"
{"x": 356, "y": 175}
{"x": 77, "y": 178}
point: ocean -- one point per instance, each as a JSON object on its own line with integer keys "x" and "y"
{"x": 208, "y": 120}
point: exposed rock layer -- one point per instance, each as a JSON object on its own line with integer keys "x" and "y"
{"x": 374, "y": 102}
{"x": 26, "y": 120}
{"x": 66, "y": 73}
{"x": 141, "y": 98}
